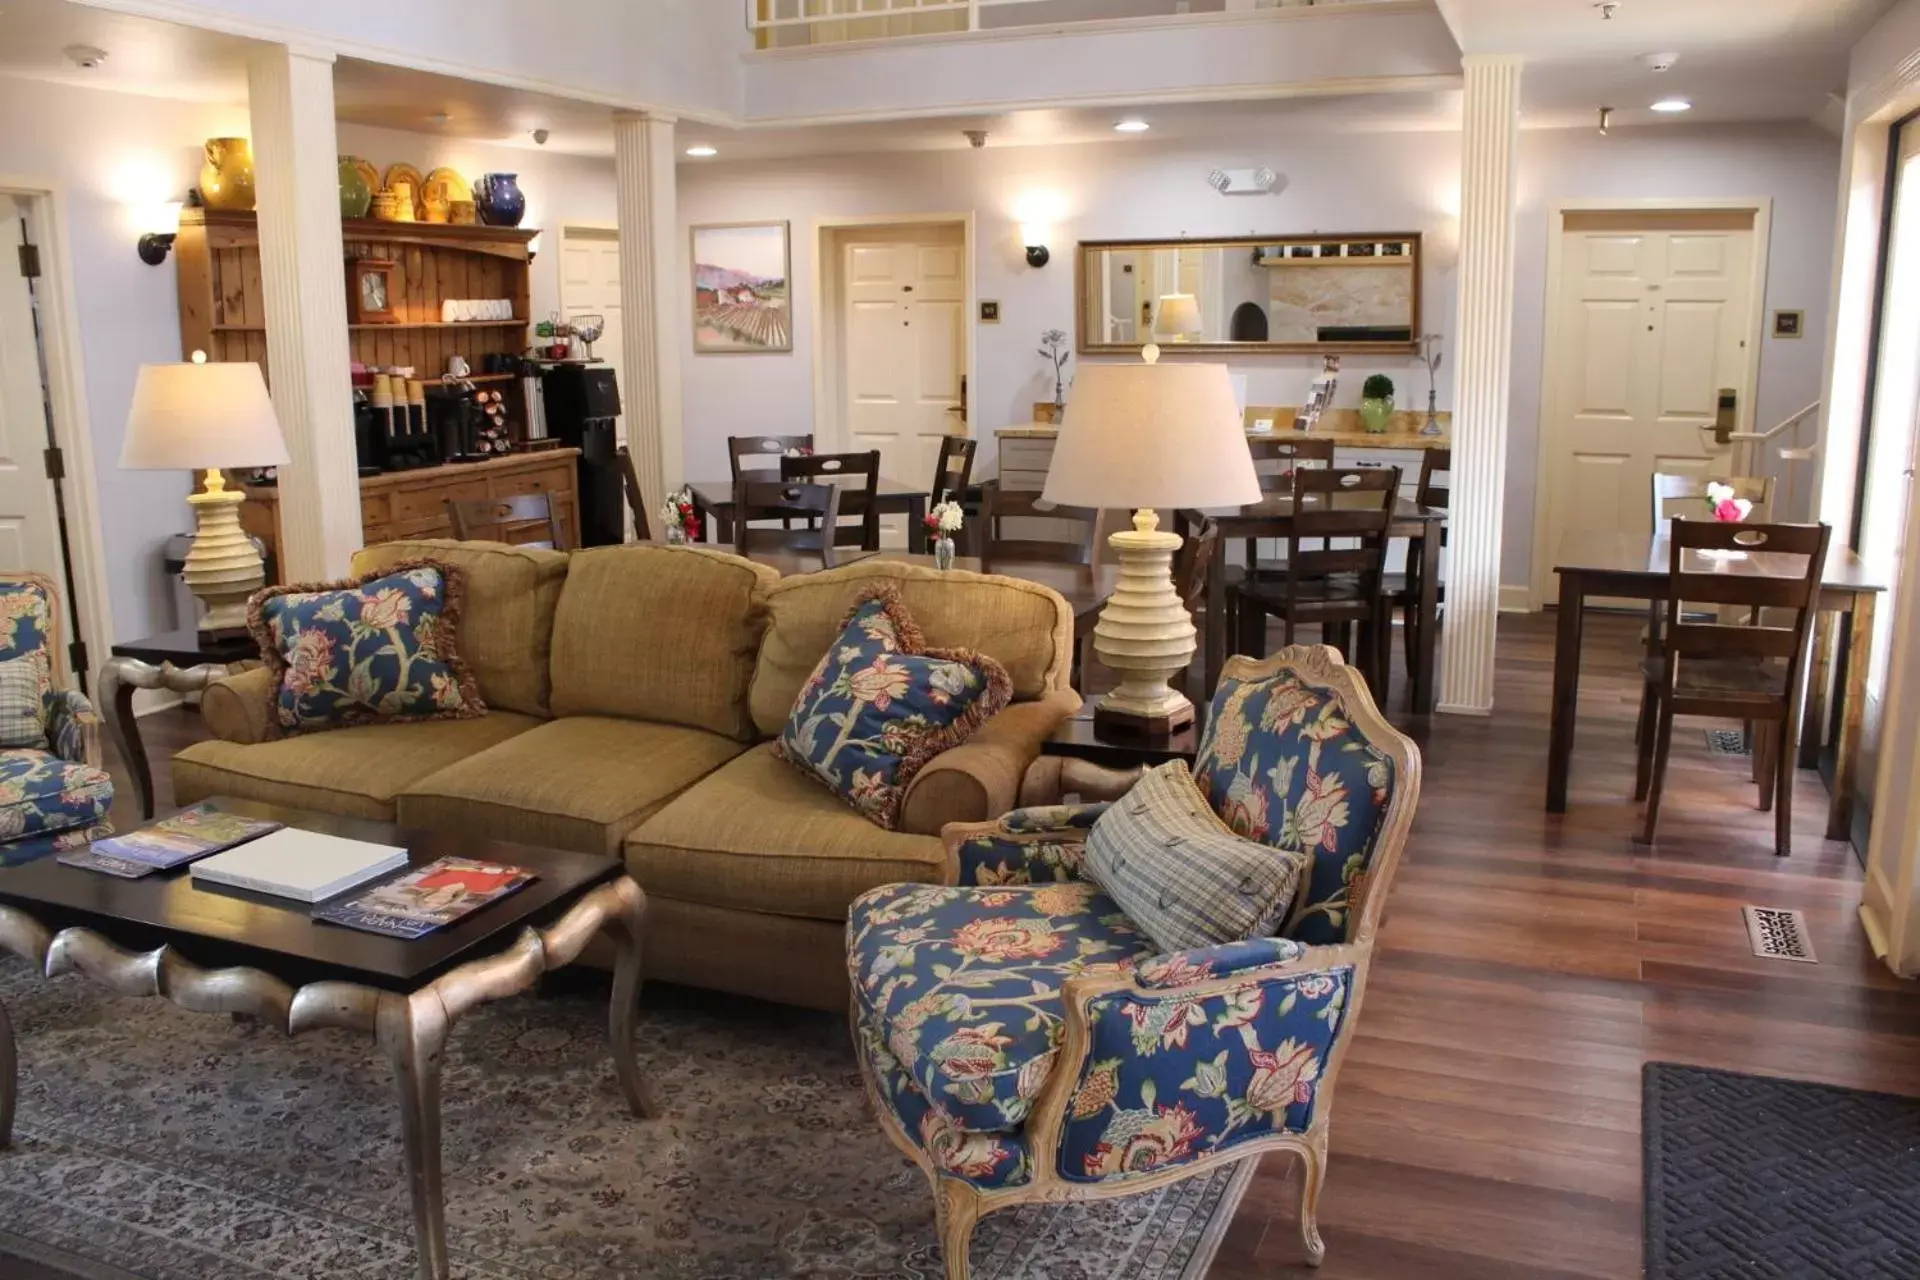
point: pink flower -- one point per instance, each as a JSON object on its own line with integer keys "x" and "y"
{"x": 385, "y": 610}
{"x": 879, "y": 683}
{"x": 310, "y": 662}
{"x": 1283, "y": 1078}
{"x": 1005, "y": 939}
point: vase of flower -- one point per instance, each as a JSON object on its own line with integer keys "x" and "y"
{"x": 679, "y": 522}
{"x": 1376, "y": 404}
{"x": 943, "y": 522}
{"x": 1053, "y": 346}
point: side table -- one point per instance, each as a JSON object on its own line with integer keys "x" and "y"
{"x": 1080, "y": 738}
{"x": 177, "y": 661}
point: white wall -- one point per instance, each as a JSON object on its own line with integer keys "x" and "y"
{"x": 1333, "y": 182}
{"x": 108, "y": 153}
{"x": 1797, "y": 166}
{"x": 1378, "y": 182}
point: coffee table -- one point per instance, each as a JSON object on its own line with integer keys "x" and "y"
{"x": 212, "y": 950}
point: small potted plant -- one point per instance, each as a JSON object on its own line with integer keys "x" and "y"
{"x": 1376, "y": 403}
{"x": 945, "y": 520}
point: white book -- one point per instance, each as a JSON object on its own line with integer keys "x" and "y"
{"x": 306, "y": 866}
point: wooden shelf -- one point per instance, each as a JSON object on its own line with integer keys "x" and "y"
{"x": 440, "y": 324}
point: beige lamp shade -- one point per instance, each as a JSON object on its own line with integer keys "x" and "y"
{"x": 193, "y": 417}
{"x": 1152, "y": 435}
{"x": 1179, "y": 315}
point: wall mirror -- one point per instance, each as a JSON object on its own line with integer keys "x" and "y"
{"x": 1354, "y": 293}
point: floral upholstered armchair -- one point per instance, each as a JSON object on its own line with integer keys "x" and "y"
{"x": 58, "y": 786}
{"x": 1022, "y": 1041}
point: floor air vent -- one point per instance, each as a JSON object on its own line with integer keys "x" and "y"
{"x": 1779, "y": 934}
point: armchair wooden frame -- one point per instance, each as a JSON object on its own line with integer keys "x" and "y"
{"x": 959, "y": 1205}
{"x": 91, "y": 752}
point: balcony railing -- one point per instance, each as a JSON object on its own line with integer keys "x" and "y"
{"x": 780, "y": 24}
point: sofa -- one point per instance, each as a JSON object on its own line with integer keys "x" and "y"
{"x": 633, "y": 693}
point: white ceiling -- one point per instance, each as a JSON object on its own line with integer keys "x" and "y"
{"x": 1739, "y": 60}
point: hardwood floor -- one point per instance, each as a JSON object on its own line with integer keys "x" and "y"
{"x": 1487, "y": 1120}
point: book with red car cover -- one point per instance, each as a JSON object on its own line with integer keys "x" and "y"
{"x": 430, "y": 898}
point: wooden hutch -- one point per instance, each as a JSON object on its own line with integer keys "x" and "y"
{"x": 223, "y": 312}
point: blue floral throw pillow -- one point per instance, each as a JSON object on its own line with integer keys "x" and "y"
{"x": 374, "y": 650}
{"x": 881, "y": 704}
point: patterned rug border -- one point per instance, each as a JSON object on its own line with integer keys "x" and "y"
{"x": 13, "y": 1247}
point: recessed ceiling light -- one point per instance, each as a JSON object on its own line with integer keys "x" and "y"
{"x": 701, "y": 151}
{"x": 1132, "y": 126}
{"x": 1672, "y": 106}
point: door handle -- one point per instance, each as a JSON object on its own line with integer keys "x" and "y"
{"x": 1728, "y": 416}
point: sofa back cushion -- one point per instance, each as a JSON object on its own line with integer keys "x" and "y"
{"x": 659, "y": 633}
{"x": 1283, "y": 763}
{"x": 1025, "y": 627}
{"x": 506, "y": 618}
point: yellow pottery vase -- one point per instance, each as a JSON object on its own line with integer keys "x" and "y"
{"x": 226, "y": 180}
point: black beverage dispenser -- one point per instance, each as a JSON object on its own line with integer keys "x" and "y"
{"x": 582, "y": 401}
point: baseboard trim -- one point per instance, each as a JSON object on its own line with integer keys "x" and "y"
{"x": 1458, "y": 709}
{"x": 1516, "y": 599}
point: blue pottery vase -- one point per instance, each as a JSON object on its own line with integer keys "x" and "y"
{"x": 500, "y": 200}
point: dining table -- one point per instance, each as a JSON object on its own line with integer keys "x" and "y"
{"x": 713, "y": 503}
{"x": 1603, "y": 566}
{"x": 1272, "y": 517}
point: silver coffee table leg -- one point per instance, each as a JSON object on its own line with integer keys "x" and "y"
{"x": 119, "y": 679}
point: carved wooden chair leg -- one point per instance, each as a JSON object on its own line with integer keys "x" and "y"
{"x": 1313, "y": 1176}
{"x": 957, "y": 1212}
{"x": 1662, "y": 746}
{"x": 1643, "y": 732}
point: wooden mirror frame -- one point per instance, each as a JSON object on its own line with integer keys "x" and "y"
{"x": 1086, "y": 346}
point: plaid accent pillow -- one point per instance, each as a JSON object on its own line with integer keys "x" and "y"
{"x": 24, "y": 682}
{"x": 1181, "y": 874}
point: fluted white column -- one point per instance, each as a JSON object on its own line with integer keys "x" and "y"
{"x": 303, "y": 278}
{"x": 655, "y": 302}
{"x": 1483, "y": 340}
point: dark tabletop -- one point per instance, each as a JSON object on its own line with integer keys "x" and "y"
{"x": 215, "y": 927}
{"x": 719, "y": 493}
{"x": 188, "y": 648}
{"x": 1079, "y": 737}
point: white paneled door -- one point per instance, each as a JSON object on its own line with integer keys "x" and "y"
{"x": 590, "y": 285}
{"x": 29, "y": 531}
{"x": 904, "y": 339}
{"x": 1655, "y": 318}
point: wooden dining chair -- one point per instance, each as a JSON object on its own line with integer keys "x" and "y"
{"x": 1749, "y": 672}
{"x": 1192, "y": 564}
{"x": 507, "y": 519}
{"x": 1274, "y": 461}
{"x": 818, "y": 504}
{"x": 1434, "y": 491}
{"x": 857, "y": 476}
{"x": 1076, "y": 545}
{"x": 636, "y": 501}
{"x": 763, "y": 453}
{"x": 1335, "y": 566}
{"x": 952, "y": 471}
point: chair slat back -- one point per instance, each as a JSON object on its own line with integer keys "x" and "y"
{"x": 1685, "y": 497}
{"x": 1436, "y": 479}
{"x": 857, "y": 476}
{"x": 508, "y": 520}
{"x": 783, "y": 500}
{"x": 1275, "y": 459}
{"x": 1780, "y": 569}
{"x": 953, "y": 470}
{"x": 999, "y": 504}
{"x": 636, "y": 500}
{"x": 759, "y": 453}
{"x": 1353, "y": 504}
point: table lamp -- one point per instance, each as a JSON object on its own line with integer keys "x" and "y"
{"x": 1145, "y": 435}
{"x": 1179, "y": 316}
{"x": 186, "y": 417}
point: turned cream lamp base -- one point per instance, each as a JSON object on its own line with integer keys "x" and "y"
{"x": 1145, "y": 635}
{"x": 223, "y": 566}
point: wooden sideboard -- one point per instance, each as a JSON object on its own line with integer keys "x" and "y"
{"x": 412, "y": 504}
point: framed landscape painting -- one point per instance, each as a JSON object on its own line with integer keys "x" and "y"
{"x": 742, "y": 301}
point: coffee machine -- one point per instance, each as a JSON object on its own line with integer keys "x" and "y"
{"x": 582, "y": 402}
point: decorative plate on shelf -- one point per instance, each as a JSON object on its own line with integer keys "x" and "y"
{"x": 442, "y": 187}
{"x": 407, "y": 173}
{"x": 367, "y": 171}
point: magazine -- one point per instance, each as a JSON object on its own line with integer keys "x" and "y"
{"x": 433, "y": 897}
{"x": 191, "y": 833}
{"x": 93, "y": 860}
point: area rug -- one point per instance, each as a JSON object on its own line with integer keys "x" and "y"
{"x": 176, "y": 1146}
{"x": 1759, "y": 1178}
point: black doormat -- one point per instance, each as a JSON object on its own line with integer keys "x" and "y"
{"x": 1762, "y": 1179}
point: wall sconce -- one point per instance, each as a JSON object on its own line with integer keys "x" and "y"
{"x": 1034, "y": 236}
{"x": 157, "y": 241}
